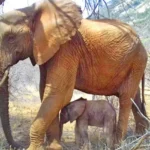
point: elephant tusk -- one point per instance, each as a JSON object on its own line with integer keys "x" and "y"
{"x": 4, "y": 77}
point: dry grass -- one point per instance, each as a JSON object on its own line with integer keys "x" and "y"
{"x": 21, "y": 119}
{"x": 22, "y": 116}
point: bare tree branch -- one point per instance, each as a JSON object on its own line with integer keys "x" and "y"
{"x": 107, "y": 8}
{"x": 94, "y": 9}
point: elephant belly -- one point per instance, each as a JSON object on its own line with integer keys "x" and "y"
{"x": 102, "y": 80}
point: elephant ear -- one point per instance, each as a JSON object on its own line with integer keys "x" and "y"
{"x": 53, "y": 25}
{"x": 76, "y": 109}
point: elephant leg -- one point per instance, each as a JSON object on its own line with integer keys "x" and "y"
{"x": 109, "y": 130}
{"x": 127, "y": 91}
{"x": 60, "y": 82}
{"x": 43, "y": 73}
{"x": 78, "y": 138}
{"x": 53, "y": 130}
{"x": 52, "y": 134}
{"x": 109, "y": 138}
{"x": 141, "y": 123}
{"x": 124, "y": 111}
{"x": 47, "y": 113}
{"x": 82, "y": 127}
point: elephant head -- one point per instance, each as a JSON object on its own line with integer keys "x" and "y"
{"x": 36, "y": 32}
{"x": 71, "y": 112}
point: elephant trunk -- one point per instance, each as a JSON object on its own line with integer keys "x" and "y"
{"x": 4, "y": 112}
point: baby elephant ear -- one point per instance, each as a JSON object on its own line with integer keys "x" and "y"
{"x": 76, "y": 109}
{"x": 55, "y": 21}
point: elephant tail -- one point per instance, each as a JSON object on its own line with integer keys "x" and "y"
{"x": 143, "y": 97}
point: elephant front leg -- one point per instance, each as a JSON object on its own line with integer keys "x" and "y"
{"x": 53, "y": 134}
{"x": 78, "y": 138}
{"x": 48, "y": 112}
{"x": 82, "y": 130}
{"x": 58, "y": 90}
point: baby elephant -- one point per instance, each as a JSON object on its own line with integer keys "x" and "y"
{"x": 97, "y": 113}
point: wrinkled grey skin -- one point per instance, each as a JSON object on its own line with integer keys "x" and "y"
{"x": 6, "y": 63}
{"x": 97, "y": 113}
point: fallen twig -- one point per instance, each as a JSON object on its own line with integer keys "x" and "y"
{"x": 146, "y": 134}
{"x": 140, "y": 111}
{"x": 141, "y": 140}
{"x": 127, "y": 145}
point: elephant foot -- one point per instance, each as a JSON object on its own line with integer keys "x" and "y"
{"x": 141, "y": 127}
{"x": 140, "y": 130}
{"x": 54, "y": 146}
{"x": 16, "y": 146}
{"x": 118, "y": 137}
{"x": 33, "y": 147}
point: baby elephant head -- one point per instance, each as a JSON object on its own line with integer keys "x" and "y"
{"x": 72, "y": 111}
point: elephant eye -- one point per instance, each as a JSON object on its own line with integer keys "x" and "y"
{"x": 11, "y": 38}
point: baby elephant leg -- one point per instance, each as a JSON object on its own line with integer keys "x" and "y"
{"x": 82, "y": 127}
{"x": 78, "y": 138}
{"x": 109, "y": 131}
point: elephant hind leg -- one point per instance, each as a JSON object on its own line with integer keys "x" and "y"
{"x": 124, "y": 111}
{"x": 109, "y": 130}
{"x": 141, "y": 123}
{"x": 127, "y": 91}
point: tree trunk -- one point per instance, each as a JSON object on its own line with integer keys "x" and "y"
{"x": 4, "y": 113}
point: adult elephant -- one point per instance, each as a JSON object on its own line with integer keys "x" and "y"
{"x": 104, "y": 57}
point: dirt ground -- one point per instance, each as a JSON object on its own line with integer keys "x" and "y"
{"x": 22, "y": 115}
